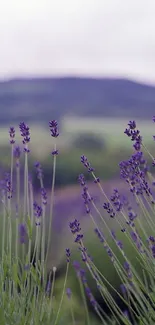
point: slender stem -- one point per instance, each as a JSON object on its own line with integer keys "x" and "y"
{"x": 62, "y": 296}
{"x": 18, "y": 205}
{"x": 51, "y": 205}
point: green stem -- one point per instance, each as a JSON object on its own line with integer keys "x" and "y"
{"x": 62, "y": 296}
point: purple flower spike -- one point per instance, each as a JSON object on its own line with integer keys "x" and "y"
{"x": 39, "y": 170}
{"x": 75, "y": 226}
{"x": 8, "y": 186}
{"x": 123, "y": 288}
{"x": 55, "y": 152}
{"x": 53, "y": 125}
{"x": 110, "y": 210}
{"x": 134, "y": 135}
{"x": 37, "y": 212}
{"x": 153, "y": 250}
{"x": 115, "y": 198}
{"x": 99, "y": 234}
{"x": 153, "y": 118}
{"x": 17, "y": 152}
{"x": 128, "y": 269}
{"x": 44, "y": 196}
{"x": 25, "y": 132}
{"x": 22, "y": 233}
{"x": 68, "y": 254}
{"x": 12, "y": 134}
{"x": 86, "y": 164}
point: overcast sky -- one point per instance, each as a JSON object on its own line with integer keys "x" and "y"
{"x": 80, "y": 37}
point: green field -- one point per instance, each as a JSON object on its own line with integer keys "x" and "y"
{"x": 111, "y": 130}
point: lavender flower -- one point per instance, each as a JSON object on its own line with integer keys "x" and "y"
{"x": 8, "y": 186}
{"x": 86, "y": 164}
{"x": 22, "y": 230}
{"x": 134, "y": 135}
{"x": 53, "y": 125}
{"x": 115, "y": 198}
{"x": 134, "y": 236}
{"x": 25, "y": 132}
{"x": 99, "y": 234}
{"x": 86, "y": 197}
{"x": 17, "y": 152}
{"x": 37, "y": 212}
{"x": 109, "y": 209}
{"x": 82, "y": 275}
{"x": 83, "y": 251}
{"x": 81, "y": 180}
{"x": 12, "y": 134}
{"x": 128, "y": 269}
{"x": 39, "y": 170}
{"x": 152, "y": 239}
{"x": 68, "y": 254}
{"x": 153, "y": 250}
{"x": 55, "y": 152}
{"x": 75, "y": 226}
{"x": 91, "y": 297}
{"x": 44, "y": 196}
{"x": 75, "y": 229}
{"x": 97, "y": 180}
{"x": 123, "y": 288}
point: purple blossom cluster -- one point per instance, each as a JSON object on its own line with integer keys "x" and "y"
{"x": 133, "y": 171}
{"x": 116, "y": 200}
{"x": 53, "y": 125}
{"x": 85, "y": 195}
{"x": 109, "y": 209}
{"x": 68, "y": 254}
{"x": 86, "y": 164}
{"x": 134, "y": 134}
{"x": 12, "y": 134}
{"x": 37, "y": 213}
{"x": 7, "y": 186}
{"x": 25, "y": 133}
{"x": 76, "y": 229}
{"x": 17, "y": 152}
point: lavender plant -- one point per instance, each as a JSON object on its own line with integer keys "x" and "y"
{"x": 130, "y": 248}
{"x": 123, "y": 226}
{"x": 27, "y": 287}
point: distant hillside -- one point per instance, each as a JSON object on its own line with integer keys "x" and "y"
{"x": 38, "y": 100}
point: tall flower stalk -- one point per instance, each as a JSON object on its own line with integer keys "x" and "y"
{"x": 53, "y": 125}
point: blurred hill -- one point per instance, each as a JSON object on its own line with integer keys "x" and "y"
{"x": 41, "y": 99}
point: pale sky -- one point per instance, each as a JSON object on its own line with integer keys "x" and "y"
{"x": 78, "y": 37}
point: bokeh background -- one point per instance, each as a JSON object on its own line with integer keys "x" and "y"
{"x": 90, "y": 65}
